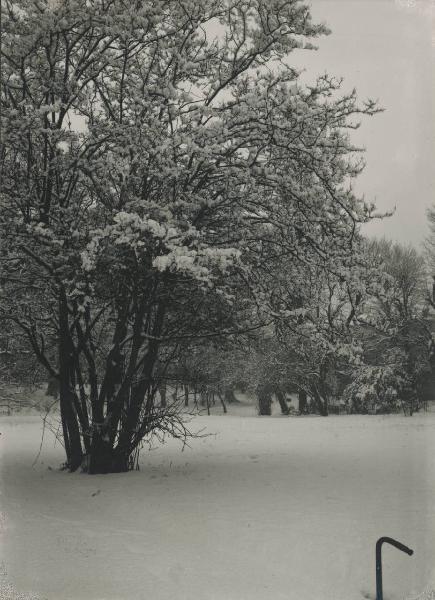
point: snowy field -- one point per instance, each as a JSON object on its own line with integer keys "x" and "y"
{"x": 264, "y": 509}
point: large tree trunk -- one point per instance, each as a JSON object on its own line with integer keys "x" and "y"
{"x": 129, "y": 398}
{"x": 224, "y": 406}
{"x": 229, "y": 396}
{"x": 282, "y": 401}
{"x": 264, "y": 395}
{"x": 303, "y": 405}
{"x": 69, "y": 417}
{"x": 104, "y": 459}
{"x": 52, "y": 387}
{"x": 142, "y": 397}
{"x": 321, "y": 404}
{"x": 162, "y": 392}
{"x": 175, "y": 393}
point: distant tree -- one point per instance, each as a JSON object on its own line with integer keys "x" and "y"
{"x": 430, "y": 256}
{"x": 402, "y": 294}
{"x": 314, "y": 327}
{"x": 211, "y": 369}
{"x": 375, "y": 389}
{"x": 392, "y": 375}
{"x": 393, "y": 333}
{"x": 265, "y": 371}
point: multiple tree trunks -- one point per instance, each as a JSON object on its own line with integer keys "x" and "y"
{"x": 103, "y": 427}
{"x": 90, "y": 438}
{"x": 265, "y": 397}
{"x": 282, "y": 401}
{"x": 103, "y": 458}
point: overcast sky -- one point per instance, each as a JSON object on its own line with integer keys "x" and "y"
{"x": 386, "y": 49}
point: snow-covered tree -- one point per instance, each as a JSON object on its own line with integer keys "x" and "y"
{"x": 393, "y": 333}
{"x": 375, "y": 389}
{"x": 394, "y": 372}
{"x": 401, "y": 296}
{"x": 158, "y": 158}
{"x": 430, "y": 256}
{"x": 315, "y": 310}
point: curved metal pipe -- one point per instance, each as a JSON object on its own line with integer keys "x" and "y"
{"x": 396, "y": 544}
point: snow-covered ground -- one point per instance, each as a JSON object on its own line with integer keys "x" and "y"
{"x": 265, "y": 509}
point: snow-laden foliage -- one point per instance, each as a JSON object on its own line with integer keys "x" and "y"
{"x": 400, "y": 293}
{"x": 430, "y": 258}
{"x": 159, "y": 158}
{"x": 394, "y": 331}
{"x": 353, "y": 337}
{"x": 314, "y": 346}
{"x": 375, "y": 389}
{"x": 394, "y": 382}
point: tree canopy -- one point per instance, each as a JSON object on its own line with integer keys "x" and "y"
{"x": 161, "y": 161}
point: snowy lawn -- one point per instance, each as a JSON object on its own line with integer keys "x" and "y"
{"x": 266, "y": 509}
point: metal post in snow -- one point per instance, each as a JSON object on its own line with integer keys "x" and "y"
{"x": 396, "y": 544}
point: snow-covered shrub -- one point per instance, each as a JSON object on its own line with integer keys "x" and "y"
{"x": 375, "y": 389}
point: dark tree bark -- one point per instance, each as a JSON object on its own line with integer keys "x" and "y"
{"x": 175, "y": 393}
{"x": 264, "y": 395}
{"x": 321, "y": 404}
{"x": 303, "y": 405}
{"x": 224, "y": 406}
{"x": 52, "y": 387}
{"x": 282, "y": 401}
{"x": 69, "y": 418}
{"x": 229, "y": 395}
{"x": 203, "y": 397}
{"x": 162, "y": 392}
{"x": 123, "y": 411}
